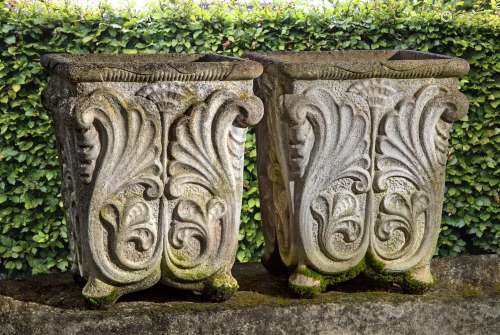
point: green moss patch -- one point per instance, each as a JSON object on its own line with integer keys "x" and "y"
{"x": 375, "y": 270}
{"x": 221, "y": 287}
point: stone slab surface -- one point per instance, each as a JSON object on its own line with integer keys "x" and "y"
{"x": 466, "y": 300}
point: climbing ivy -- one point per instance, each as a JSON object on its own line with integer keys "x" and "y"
{"x": 33, "y": 236}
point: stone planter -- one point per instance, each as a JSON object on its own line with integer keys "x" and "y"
{"x": 351, "y": 161}
{"x": 151, "y": 150}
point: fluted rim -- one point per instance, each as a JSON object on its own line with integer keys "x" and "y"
{"x": 149, "y": 68}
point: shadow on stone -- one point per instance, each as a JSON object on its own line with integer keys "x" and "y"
{"x": 464, "y": 301}
{"x": 61, "y": 291}
{"x": 471, "y": 274}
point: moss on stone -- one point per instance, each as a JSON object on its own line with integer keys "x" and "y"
{"x": 103, "y": 302}
{"x": 188, "y": 277}
{"x": 308, "y": 272}
{"x": 471, "y": 291}
{"x": 324, "y": 280}
{"x": 410, "y": 285}
{"x": 375, "y": 269}
{"x": 220, "y": 287}
{"x": 343, "y": 276}
{"x": 305, "y": 291}
{"x": 191, "y": 307}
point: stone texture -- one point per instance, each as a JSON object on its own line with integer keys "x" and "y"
{"x": 465, "y": 300}
{"x": 351, "y": 162}
{"x": 149, "y": 68}
{"x": 361, "y": 64}
{"x": 151, "y": 150}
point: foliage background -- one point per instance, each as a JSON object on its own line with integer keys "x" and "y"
{"x": 33, "y": 235}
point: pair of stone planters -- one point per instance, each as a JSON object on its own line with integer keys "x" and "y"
{"x": 351, "y": 157}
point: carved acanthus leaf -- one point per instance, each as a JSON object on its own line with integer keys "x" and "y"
{"x": 329, "y": 142}
{"x": 412, "y": 146}
{"x": 205, "y": 174}
{"x": 413, "y": 137}
{"x": 398, "y": 214}
{"x": 328, "y": 131}
{"x": 119, "y": 158}
{"x": 337, "y": 215}
{"x": 130, "y": 224}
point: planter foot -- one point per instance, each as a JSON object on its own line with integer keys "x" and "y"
{"x": 418, "y": 280}
{"x": 100, "y": 295}
{"x": 220, "y": 287}
{"x": 307, "y": 283}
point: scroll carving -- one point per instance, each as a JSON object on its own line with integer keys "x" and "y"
{"x": 153, "y": 181}
{"x": 118, "y": 163}
{"x": 337, "y": 215}
{"x": 346, "y": 205}
{"x": 321, "y": 129}
{"x": 275, "y": 203}
{"x": 130, "y": 224}
{"x": 205, "y": 176}
{"x": 54, "y": 100}
{"x": 411, "y": 149}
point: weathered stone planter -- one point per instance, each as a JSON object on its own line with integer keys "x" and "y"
{"x": 151, "y": 149}
{"x": 352, "y": 154}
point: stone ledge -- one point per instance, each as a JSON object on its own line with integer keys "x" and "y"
{"x": 465, "y": 300}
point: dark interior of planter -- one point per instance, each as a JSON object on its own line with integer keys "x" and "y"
{"x": 349, "y": 56}
{"x": 412, "y": 55}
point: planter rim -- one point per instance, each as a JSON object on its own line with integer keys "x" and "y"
{"x": 359, "y": 64}
{"x": 149, "y": 67}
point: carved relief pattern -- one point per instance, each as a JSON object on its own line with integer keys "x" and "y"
{"x": 399, "y": 213}
{"x": 70, "y": 204}
{"x": 205, "y": 175}
{"x": 412, "y": 146}
{"x": 275, "y": 205}
{"x": 326, "y": 129}
{"x": 337, "y": 214}
{"x": 130, "y": 223}
{"x": 333, "y": 137}
{"x": 58, "y": 107}
{"x": 118, "y": 151}
{"x": 152, "y": 182}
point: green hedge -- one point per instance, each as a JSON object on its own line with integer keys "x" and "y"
{"x": 33, "y": 233}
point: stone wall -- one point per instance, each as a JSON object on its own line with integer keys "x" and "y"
{"x": 465, "y": 300}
